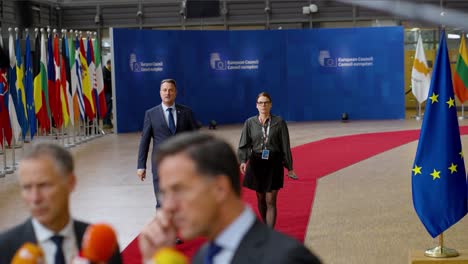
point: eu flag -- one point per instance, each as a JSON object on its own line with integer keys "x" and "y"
{"x": 438, "y": 173}
{"x": 29, "y": 89}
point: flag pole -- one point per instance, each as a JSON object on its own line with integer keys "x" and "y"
{"x": 418, "y": 116}
{"x": 440, "y": 251}
{"x": 2, "y": 172}
{"x": 462, "y": 112}
{"x": 6, "y": 169}
{"x": 13, "y": 156}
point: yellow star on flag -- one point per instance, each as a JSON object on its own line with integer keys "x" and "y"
{"x": 435, "y": 174}
{"x": 461, "y": 154}
{"x": 434, "y": 97}
{"x": 453, "y": 168}
{"x": 416, "y": 170}
{"x": 451, "y": 102}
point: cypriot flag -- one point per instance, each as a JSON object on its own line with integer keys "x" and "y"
{"x": 420, "y": 75}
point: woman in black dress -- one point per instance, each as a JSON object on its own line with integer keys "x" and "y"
{"x": 264, "y": 150}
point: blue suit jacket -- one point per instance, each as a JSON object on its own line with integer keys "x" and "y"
{"x": 12, "y": 239}
{"x": 155, "y": 127}
{"x": 263, "y": 245}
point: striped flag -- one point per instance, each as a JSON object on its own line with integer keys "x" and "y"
{"x": 460, "y": 76}
{"x": 78, "y": 102}
{"x": 11, "y": 93}
{"x": 51, "y": 84}
{"x": 41, "y": 97}
{"x": 5, "y": 125}
{"x": 12, "y": 70}
{"x": 86, "y": 83}
{"x": 92, "y": 74}
{"x": 65, "y": 96}
{"x": 99, "y": 80}
{"x": 420, "y": 75}
{"x": 58, "y": 84}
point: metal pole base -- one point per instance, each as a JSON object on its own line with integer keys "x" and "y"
{"x": 441, "y": 252}
{"x": 8, "y": 170}
{"x": 69, "y": 145}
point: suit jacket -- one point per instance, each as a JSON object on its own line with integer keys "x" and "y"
{"x": 263, "y": 245}
{"x": 14, "y": 238}
{"x": 155, "y": 127}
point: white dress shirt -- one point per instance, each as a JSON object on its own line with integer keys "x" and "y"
{"x": 69, "y": 245}
{"x": 166, "y": 113}
{"x": 231, "y": 237}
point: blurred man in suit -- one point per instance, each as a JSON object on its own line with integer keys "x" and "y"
{"x": 162, "y": 122}
{"x": 200, "y": 190}
{"x": 47, "y": 178}
{"x": 107, "y": 74}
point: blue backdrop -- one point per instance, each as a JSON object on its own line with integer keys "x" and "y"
{"x": 311, "y": 74}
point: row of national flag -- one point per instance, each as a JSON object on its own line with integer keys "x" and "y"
{"x": 421, "y": 74}
{"x": 439, "y": 183}
{"x": 56, "y": 86}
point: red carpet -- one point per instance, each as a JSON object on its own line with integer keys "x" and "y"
{"x": 311, "y": 161}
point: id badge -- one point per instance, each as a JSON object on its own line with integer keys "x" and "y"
{"x": 265, "y": 154}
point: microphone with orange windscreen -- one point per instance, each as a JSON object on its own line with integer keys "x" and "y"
{"x": 28, "y": 253}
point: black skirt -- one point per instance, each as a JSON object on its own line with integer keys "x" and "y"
{"x": 264, "y": 175}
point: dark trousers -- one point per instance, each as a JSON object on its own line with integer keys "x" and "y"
{"x": 107, "y": 118}
{"x": 156, "y": 189}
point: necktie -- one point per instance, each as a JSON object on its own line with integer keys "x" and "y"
{"x": 211, "y": 252}
{"x": 59, "y": 256}
{"x": 172, "y": 127}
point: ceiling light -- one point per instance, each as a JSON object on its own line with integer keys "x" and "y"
{"x": 453, "y": 36}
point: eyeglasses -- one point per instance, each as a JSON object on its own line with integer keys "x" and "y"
{"x": 264, "y": 103}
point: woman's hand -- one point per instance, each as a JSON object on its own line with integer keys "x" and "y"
{"x": 292, "y": 175}
{"x": 243, "y": 166}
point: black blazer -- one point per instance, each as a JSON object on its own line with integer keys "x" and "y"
{"x": 12, "y": 239}
{"x": 155, "y": 127}
{"x": 263, "y": 245}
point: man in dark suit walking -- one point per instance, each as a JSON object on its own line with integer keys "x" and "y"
{"x": 162, "y": 122}
{"x": 201, "y": 193}
{"x": 47, "y": 178}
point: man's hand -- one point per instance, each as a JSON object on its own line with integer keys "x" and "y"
{"x": 158, "y": 233}
{"x": 141, "y": 174}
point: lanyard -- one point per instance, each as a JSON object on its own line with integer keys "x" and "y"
{"x": 266, "y": 133}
